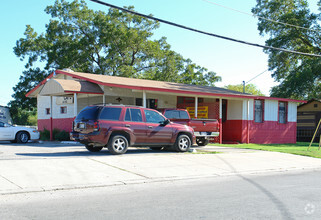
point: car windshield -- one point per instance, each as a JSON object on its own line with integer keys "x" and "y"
{"x": 3, "y": 124}
{"x": 89, "y": 113}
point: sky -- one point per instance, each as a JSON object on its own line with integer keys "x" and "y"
{"x": 232, "y": 61}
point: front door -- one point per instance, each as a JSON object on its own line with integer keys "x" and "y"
{"x": 157, "y": 133}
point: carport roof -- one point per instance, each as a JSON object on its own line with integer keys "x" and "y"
{"x": 152, "y": 85}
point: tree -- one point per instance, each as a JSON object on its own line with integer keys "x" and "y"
{"x": 249, "y": 88}
{"x": 114, "y": 43}
{"x": 299, "y": 75}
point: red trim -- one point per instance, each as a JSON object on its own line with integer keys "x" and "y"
{"x": 286, "y": 112}
{"x": 173, "y": 90}
{"x": 40, "y": 84}
{"x": 262, "y": 106}
{"x": 51, "y": 129}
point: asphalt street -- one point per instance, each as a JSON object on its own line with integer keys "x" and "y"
{"x": 289, "y": 195}
{"x": 54, "y": 180}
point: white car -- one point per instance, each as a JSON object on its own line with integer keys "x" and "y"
{"x": 17, "y": 133}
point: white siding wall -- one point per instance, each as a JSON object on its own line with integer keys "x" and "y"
{"x": 271, "y": 110}
{"x": 245, "y": 111}
{"x": 292, "y": 112}
{"x": 43, "y": 102}
{"x": 234, "y": 109}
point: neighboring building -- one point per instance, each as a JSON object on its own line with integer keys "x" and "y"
{"x": 5, "y": 115}
{"x": 244, "y": 118}
{"x": 309, "y": 115}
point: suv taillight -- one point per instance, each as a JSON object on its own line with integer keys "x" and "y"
{"x": 96, "y": 126}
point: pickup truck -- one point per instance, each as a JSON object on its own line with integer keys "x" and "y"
{"x": 204, "y": 129}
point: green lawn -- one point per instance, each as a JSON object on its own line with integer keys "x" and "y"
{"x": 300, "y": 148}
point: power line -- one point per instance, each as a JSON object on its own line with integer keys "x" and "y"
{"x": 203, "y": 32}
{"x": 257, "y": 76}
{"x": 267, "y": 19}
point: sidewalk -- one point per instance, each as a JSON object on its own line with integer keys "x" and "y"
{"x": 72, "y": 167}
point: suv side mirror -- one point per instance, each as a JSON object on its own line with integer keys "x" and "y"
{"x": 166, "y": 122}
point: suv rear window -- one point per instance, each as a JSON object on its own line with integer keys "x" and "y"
{"x": 88, "y": 113}
{"x": 110, "y": 113}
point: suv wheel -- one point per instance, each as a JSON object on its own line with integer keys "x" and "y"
{"x": 22, "y": 137}
{"x": 92, "y": 148}
{"x": 183, "y": 143}
{"x": 118, "y": 145}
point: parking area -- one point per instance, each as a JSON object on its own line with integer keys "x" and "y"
{"x": 53, "y": 165}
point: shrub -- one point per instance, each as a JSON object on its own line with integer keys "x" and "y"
{"x": 62, "y": 136}
{"x": 45, "y": 135}
{"x": 56, "y": 133}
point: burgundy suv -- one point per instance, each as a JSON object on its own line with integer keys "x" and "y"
{"x": 117, "y": 127}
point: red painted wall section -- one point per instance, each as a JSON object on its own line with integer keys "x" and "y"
{"x": 232, "y": 131}
{"x": 61, "y": 124}
{"x": 268, "y": 132}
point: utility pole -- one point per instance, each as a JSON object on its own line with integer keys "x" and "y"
{"x": 243, "y": 86}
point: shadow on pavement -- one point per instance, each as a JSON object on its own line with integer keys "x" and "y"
{"x": 84, "y": 153}
{"x": 279, "y": 205}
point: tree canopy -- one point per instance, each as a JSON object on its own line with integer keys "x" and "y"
{"x": 110, "y": 43}
{"x": 249, "y": 88}
{"x": 299, "y": 75}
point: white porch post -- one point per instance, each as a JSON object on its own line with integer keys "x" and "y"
{"x": 196, "y": 106}
{"x": 104, "y": 96}
{"x": 144, "y": 98}
{"x": 75, "y": 105}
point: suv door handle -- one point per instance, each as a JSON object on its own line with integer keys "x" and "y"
{"x": 150, "y": 126}
{"x": 127, "y": 126}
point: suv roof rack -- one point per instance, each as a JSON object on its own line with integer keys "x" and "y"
{"x": 110, "y": 104}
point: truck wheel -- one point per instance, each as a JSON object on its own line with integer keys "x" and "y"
{"x": 118, "y": 145}
{"x": 183, "y": 143}
{"x": 92, "y": 148}
{"x": 22, "y": 137}
{"x": 202, "y": 141}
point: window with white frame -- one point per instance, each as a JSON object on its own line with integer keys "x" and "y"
{"x": 282, "y": 112}
{"x": 258, "y": 111}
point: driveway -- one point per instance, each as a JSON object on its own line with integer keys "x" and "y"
{"x": 52, "y": 166}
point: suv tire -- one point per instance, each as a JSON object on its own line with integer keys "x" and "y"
{"x": 92, "y": 148}
{"x": 118, "y": 145}
{"x": 183, "y": 143}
